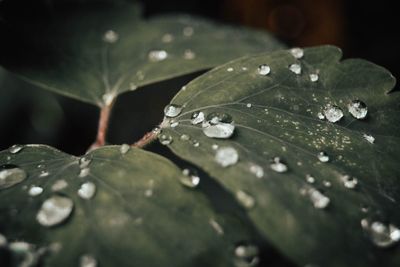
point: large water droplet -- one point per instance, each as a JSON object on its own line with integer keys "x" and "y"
{"x": 358, "y": 109}
{"x": 278, "y": 166}
{"x": 382, "y": 235}
{"x": 349, "y": 182}
{"x": 245, "y": 199}
{"x": 264, "y": 69}
{"x": 257, "y": 170}
{"x": 319, "y": 200}
{"x": 124, "y": 148}
{"x": 110, "y": 37}
{"x": 157, "y": 55}
{"x": 35, "y": 191}
{"x": 87, "y": 190}
{"x": 333, "y": 113}
{"x": 295, "y": 68}
{"x": 323, "y": 156}
{"x": 172, "y": 110}
{"x": 220, "y": 130}
{"x": 10, "y": 177}
{"x": 197, "y": 117}
{"x": 165, "y": 139}
{"x": 217, "y": 117}
{"x": 15, "y": 149}
{"x": 54, "y": 211}
{"x": 246, "y": 255}
{"x": 87, "y": 261}
{"x": 297, "y": 52}
{"x": 190, "y": 178}
{"x": 226, "y": 156}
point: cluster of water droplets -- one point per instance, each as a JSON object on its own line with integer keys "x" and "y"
{"x": 381, "y": 234}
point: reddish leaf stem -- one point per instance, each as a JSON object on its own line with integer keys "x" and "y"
{"x": 102, "y": 129}
{"x": 147, "y": 139}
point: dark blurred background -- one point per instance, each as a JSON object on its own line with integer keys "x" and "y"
{"x": 363, "y": 29}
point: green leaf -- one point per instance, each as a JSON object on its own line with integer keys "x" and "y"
{"x": 140, "y": 214}
{"x": 276, "y": 115}
{"x": 96, "y": 52}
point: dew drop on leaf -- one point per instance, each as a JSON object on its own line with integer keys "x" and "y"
{"x": 321, "y": 116}
{"x": 245, "y": 199}
{"x": 190, "y": 178}
{"x": 110, "y": 37}
{"x": 216, "y": 226}
{"x": 297, "y": 52}
{"x": 246, "y": 255}
{"x": 295, "y": 68}
{"x": 310, "y": 179}
{"x": 323, "y": 156}
{"x": 314, "y": 77}
{"x": 10, "y": 177}
{"x": 59, "y": 185}
{"x": 54, "y": 210}
{"x": 257, "y": 170}
{"x": 349, "y": 182}
{"x": 358, "y": 109}
{"x": 249, "y": 105}
{"x": 226, "y": 156}
{"x": 35, "y": 191}
{"x": 87, "y": 190}
{"x": 188, "y": 31}
{"x": 3, "y": 240}
{"x": 318, "y": 199}
{"x": 84, "y": 172}
{"x": 165, "y": 139}
{"x": 220, "y": 130}
{"x": 15, "y": 149}
{"x": 326, "y": 183}
{"x": 278, "y": 166}
{"x": 369, "y": 138}
{"x": 84, "y": 162}
{"x": 174, "y": 124}
{"x": 189, "y": 54}
{"x": 333, "y": 113}
{"x": 124, "y": 148}
{"x": 197, "y": 117}
{"x": 87, "y": 261}
{"x": 185, "y": 137}
{"x": 157, "y": 55}
{"x": 44, "y": 173}
{"x": 264, "y": 69}
{"x": 172, "y": 110}
{"x": 229, "y": 69}
{"x": 167, "y": 38}
{"x": 382, "y": 235}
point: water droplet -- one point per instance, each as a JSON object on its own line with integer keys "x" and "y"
{"x": 310, "y": 179}
{"x": 214, "y": 146}
{"x": 165, "y": 139}
{"x": 167, "y": 38}
{"x": 87, "y": 261}
{"x": 87, "y": 190}
{"x": 189, "y": 54}
{"x": 157, "y": 55}
{"x": 172, "y": 110}
{"x": 132, "y": 86}
{"x": 35, "y": 191}
{"x": 333, "y": 113}
{"x": 3, "y": 240}
{"x": 84, "y": 172}
{"x": 314, "y": 77}
{"x": 190, "y": 178}
{"x": 349, "y": 182}
{"x": 10, "y": 177}
{"x": 84, "y": 162}
{"x": 226, "y": 156}
{"x": 264, "y": 69}
{"x": 358, "y": 109}
{"x": 216, "y": 226}
{"x": 124, "y": 148}
{"x": 369, "y": 138}
{"x": 248, "y": 105}
{"x": 44, "y": 174}
{"x": 54, "y": 211}
{"x": 327, "y": 183}
{"x": 382, "y": 235}
{"x": 246, "y": 255}
{"x": 323, "y": 156}
{"x": 174, "y": 124}
{"x": 188, "y": 31}
{"x": 319, "y": 200}
{"x": 185, "y": 137}
{"x": 257, "y": 170}
{"x": 110, "y": 37}
{"x": 220, "y": 130}
{"x": 59, "y": 185}
{"x": 297, "y": 52}
{"x": 15, "y": 149}
{"x": 229, "y": 69}
{"x": 321, "y": 116}
{"x": 295, "y": 68}
{"x": 216, "y": 117}
{"x": 197, "y": 117}
{"x": 195, "y": 143}
{"x": 108, "y": 98}
{"x": 278, "y": 166}
{"x": 245, "y": 199}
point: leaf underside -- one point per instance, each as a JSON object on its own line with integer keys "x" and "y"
{"x": 276, "y": 116}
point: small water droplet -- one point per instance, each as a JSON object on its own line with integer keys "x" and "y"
{"x": 226, "y": 156}
{"x": 165, "y": 139}
{"x": 84, "y": 162}
{"x": 84, "y": 172}
{"x": 185, "y": 137}
{"x": 349, "y": 182}
{"x": 323, "y": 156}
{"x": 264, "y": 69}
{"x": 44, "y": 174}
{"x": 319, "y": 200}
{"x": 174, "y": 124}
{"x": 110, "y": 37}
{"x": 124, "y": 148}
{"x": 278, "y": 166}
{"x": 87, "y": 190}
{"x": 197, "y": 117}
{"x": 167, "y": 38}
{"x": 333, "y": 113}
{"x": 297, "y": 52}
{"x": 314, "y": 77}
{"x": 369, "y": 138}
{"x": 15, "y": 149}
{"x": 157, "y": 55}
{"x": 216, "y": 226}
{"x": 295, "y": 68}
{"x": 327, "y": 183}
{"x": 188, "y": 31}
{"x": 382, "y": 235}
{"x": 257, "y": 170}
{"x": 87, "y": 261}
{"x": 172, "y": 110}
{"x": 246, "y": 255}
{"x": 358, "y": 109}
{"x": 54, "y": 211}
{"x": 214, "y": 146}
{"x": 195, "y": 143}
{"x": 248, "y": 105}
{"x": 229, "y": 69}
{"x": 59, "y": 185}
{"x": 321, "y": 116}
{"x": 190, "y": 178}
{"x": 11, "y": 177}
{"x": 189, "y": 54}
{"x": 245, "y": 199}
{"x": 132, "y": 86}
{"x": 35, "y": 191}
{"x": 310, "y": 179}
